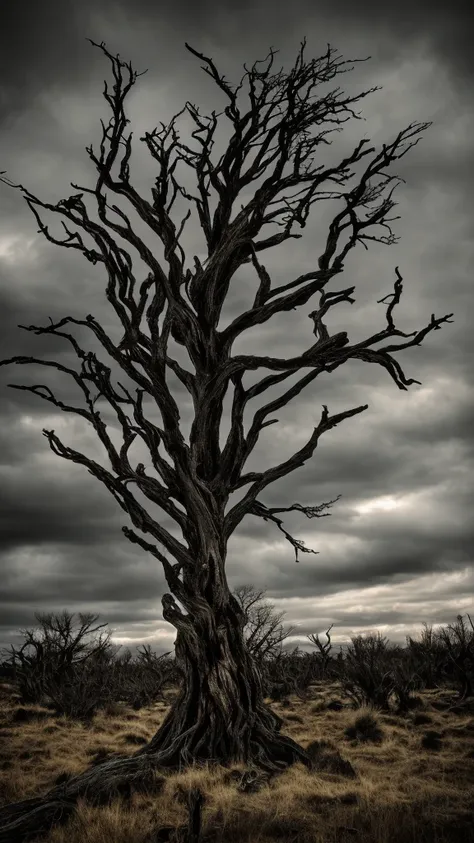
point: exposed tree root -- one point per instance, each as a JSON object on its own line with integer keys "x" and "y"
{"x": 99, "y": 785}
{"x": 250, "y": 737}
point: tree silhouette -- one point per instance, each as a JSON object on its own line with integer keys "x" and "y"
{"x": 255, "y": 196}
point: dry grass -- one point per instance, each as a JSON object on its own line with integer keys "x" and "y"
{"x": 407, "y": 787}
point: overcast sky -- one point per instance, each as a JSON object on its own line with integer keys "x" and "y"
{"x": 398, "y": 548}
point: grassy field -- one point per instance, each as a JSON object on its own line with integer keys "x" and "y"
{"x": 409, "y": 779}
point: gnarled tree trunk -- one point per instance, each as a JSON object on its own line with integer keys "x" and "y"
{"x": 219, "y": 715}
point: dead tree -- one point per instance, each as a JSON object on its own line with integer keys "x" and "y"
{"x": 252, "y": 198}
{"x": 263, "y": 631}
{"x": 324, "y": 650}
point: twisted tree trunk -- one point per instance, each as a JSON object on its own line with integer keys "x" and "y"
{"x": 220, "y": 715}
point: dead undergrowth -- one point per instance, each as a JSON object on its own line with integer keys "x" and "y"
{"x": 379, "y": 778}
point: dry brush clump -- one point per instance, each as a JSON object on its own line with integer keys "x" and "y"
{"x": 377, "y": 673}
{"x": 429, "y": 655}
{"x": 365, "y": 728}
{"x": 458, "y": 638}
{"x": 366, "y": 676}
{"x": 66, "y": 666}
{"x": 62, "y": 661}
{"x": 141, "y": 680}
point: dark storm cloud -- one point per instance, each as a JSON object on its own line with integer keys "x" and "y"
{"x": 398, "y": 546}
{"x": 70, "y": 514}
{"x": 43, "y": 44}
{"x": 447, "y": 27}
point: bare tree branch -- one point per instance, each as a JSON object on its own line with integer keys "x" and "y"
{"x": 263, "y": 479}
{"x": 269, "y": 514}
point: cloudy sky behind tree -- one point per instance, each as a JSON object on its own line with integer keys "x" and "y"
{"x": 398, "y": 547}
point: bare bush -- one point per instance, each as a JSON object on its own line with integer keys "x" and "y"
{"x": 51, "y": 653}
{"x": 429, "y": 656}
{"x": 406, "y": 680}
{"x": 288, "y": 673}
{"x": 81, "y": 690}
{"x": 366, "y": 678}
{"x": 140, "y": 682}
{"x": 459, "y": 641}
